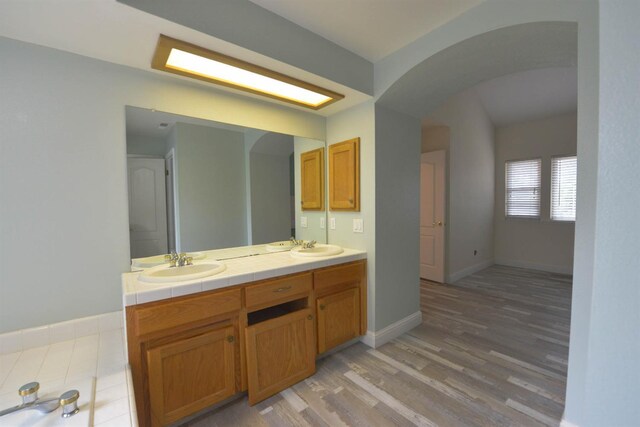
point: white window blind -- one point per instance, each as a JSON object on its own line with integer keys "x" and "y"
{"x": 522, "y": 188}
{"x": 563, "y": 188}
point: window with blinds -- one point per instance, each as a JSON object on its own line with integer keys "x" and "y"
{"x": 563, "y": 188}
{"x": 522, "y": 196}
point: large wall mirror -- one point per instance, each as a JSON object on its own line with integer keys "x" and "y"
{"x": 198, "y": 185}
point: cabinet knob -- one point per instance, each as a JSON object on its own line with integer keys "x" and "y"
{"x": 322, "y": 306}
{"x": 309, "y": 317}
{"x": 351, "y": 201}
{"x": 231, "y": 338}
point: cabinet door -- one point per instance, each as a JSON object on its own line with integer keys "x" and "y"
{"x": 190, "y": 374}
{"x": 338, "y": 318}
{"x": 280, "y": 352}
{"x": 344, "y": 175}
{"x": 312, "y": 180}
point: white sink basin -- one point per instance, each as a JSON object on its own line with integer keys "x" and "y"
{"x": 319, "y": 250}
{"x": 281, "y": 246}
{"x": 164, "y": 274}
{"x": 152, "y": 261}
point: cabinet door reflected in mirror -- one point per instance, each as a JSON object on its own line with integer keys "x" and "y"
{"x": 312, "y": 177}
{"x": 217, "y": 185}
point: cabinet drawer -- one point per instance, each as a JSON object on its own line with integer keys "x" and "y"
{"x": 192, "y": 309}
{"x": 277, "y": 291}
{"x": 346, "y": 276}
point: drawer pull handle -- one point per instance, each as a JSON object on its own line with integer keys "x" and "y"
{"x": 231, "y": 338}
{"x": 283, "y": 289}
{"x": 322, "y": 306}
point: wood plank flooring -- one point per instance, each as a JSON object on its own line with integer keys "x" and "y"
{"x": 492, "y": 351}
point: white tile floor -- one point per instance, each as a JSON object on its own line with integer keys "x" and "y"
{"x": 101, "y": 355}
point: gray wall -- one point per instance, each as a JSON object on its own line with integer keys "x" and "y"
{"x": 146, "y": 146}
{"x": 63, "y": 173}
{"x": 544, "y": 245}
{"x": 358, "y": 122}
{"x": 397, "y": 281}
{"x": 210, "y": 178}
{"x": 270, "y": 197}
{"x": 470, "y": 193}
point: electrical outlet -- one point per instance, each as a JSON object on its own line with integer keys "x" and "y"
{"x": 322, "y": 222}
{"x": 303, "y": 221}
{"x": 332, "y": 223}
{"x": 357, "y": 225}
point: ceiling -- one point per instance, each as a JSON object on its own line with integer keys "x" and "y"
{"x": 371, "y": 29}
{"x": 530, "y": 95}
{"x": 144, "y": 122}
{"x": 117, "y": 33}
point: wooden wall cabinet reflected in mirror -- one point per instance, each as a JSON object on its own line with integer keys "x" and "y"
{"x": 344, "y": 176}
{"x": 312, "y": 177}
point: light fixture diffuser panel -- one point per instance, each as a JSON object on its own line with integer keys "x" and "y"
{"x": 178, "y": 57}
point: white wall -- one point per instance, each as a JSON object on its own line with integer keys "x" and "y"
{"x": 210, "y": 188}
{"x": 270, "y": 197}
{"x": 471, "y": 185}
{"x": 544, "y": 245}
{"x": 63, "y": 173}
{"x": 604, "y": 379}
{"x": 313, "y": 230}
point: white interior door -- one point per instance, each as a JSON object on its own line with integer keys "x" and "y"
{"x": 171, "y": 216}
{"x": 147, "y": 207}
{"x": 432, "y": 215}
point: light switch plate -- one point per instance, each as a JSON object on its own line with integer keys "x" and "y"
{"x": 357, "y": 225}
{"x": 322, "y": 222}
{"x": 332, "y": 223}
{"x": 303, "y": 221}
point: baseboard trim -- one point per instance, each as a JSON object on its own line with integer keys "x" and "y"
{"x": 375, "y": 339}
{"x": 454, "y": 277}
{"x": 565, "y": 423}
{"x": 560, "y": 269}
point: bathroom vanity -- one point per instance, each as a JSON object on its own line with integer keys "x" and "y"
{"x": 257, "y": 328}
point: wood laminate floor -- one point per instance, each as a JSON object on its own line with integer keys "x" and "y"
{"x": 492, "y": 351}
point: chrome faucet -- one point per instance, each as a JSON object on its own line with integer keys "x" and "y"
{"x": 309, "y": 245}
{"x": 171, "y": 258}
{"x": 183, "y": 260}
{"x": 295, "y": 242}
{"x": 178, "y": 260}
{"x": 30, "y": 400}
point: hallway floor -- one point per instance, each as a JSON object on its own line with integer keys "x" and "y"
{"x": 492, "y": 350}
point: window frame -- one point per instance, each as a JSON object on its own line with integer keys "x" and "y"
{"x": 551, "y": 218}
{"x": 506, "y": 190}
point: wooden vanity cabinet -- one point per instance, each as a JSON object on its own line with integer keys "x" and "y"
{"x": 184, "y": 354}
{"x": 191, "y": 373}
{"x": 191, "y": 352}
{"x": 341, "y": 304}
{"x": 280, "y": 353}
{"x": 280, "y": 336}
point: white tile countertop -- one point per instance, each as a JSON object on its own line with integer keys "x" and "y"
{"x": 94, "y": 364}
{"x": 238, "y": 271}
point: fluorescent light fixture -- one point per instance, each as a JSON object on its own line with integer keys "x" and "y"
{"x": 178, "y": 57}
